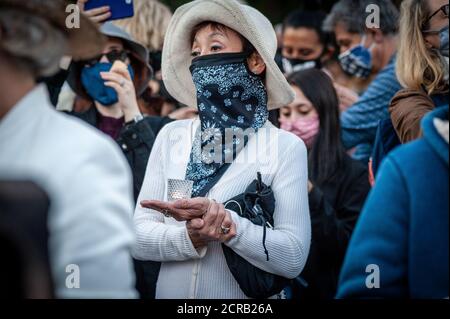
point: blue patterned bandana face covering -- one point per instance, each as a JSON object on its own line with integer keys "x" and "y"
{"x": 232, "y": 101}
{"x": 357, "y": 61}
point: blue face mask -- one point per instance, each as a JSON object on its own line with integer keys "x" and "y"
{"x": 95, "y": 85}
{"x": 443, "y": 34}
{"x": 357, "y": 61}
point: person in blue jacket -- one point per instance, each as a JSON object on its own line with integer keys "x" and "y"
{"x": 400, "y": 246}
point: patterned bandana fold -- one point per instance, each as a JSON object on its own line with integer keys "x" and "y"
{"x": 231, "y": 100}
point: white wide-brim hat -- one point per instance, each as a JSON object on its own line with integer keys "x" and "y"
{"x": 247, "y": 21}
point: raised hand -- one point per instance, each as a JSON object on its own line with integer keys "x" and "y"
{"x": 97, "y": 15}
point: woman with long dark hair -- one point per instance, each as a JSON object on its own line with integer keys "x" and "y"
{"x": 338, "y": 185}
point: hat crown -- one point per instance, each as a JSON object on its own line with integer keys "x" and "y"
{"x": 263, "y": 25}
{"x": 111, "y": 30}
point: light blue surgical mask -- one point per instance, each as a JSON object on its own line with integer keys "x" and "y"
{"x": 357, "y": 61}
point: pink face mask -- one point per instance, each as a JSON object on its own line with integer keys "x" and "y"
{"x": 305, "y": 128}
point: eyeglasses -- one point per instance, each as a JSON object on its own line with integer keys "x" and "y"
{"x": 444, "y": 9}
{"x": 112, "y": 56}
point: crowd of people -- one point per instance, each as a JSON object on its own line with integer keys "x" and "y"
{"x": 206, "y": 154}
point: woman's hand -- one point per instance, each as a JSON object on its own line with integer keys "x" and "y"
{"x": 216, "y": 225}
{"x": 181, "y": 210}
{"x": 97, "y": 15}
{"x": 120, "y": 80}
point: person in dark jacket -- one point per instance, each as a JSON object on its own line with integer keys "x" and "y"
{"x": 338, "y": 184}
{"x": 110, "y": 98}
{"x": 121, "y": 120}
{"x": 399, "y": 248}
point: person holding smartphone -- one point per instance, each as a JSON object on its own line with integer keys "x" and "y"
{"x": 107, "y": 97}
{"x": 97, "y": 15}
{"x": 107, "y": 10}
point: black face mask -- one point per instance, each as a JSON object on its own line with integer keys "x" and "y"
{"x": 230, "y": 98}
{"x": 295, "y": 65}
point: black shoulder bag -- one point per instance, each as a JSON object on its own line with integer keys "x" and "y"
{"x": 257, "y": 204}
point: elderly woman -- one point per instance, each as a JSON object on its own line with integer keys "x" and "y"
{"x": 219, "y": 55}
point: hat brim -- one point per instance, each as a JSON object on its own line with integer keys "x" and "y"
{"x": 245, "y": 20}
{"x": 83, "y": 43}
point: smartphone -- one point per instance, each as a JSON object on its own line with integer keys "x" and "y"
{"x": 120, "y": 9}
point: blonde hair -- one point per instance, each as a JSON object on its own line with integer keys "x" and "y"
{"x": 149, "y": 24}
{"x": 417, "y": 65}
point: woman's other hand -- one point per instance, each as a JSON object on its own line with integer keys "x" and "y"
{"x": 97, "y": 15}
{"x": 216, "y": 225}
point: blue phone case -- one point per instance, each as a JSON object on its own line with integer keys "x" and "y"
{"x": 120, "y": 9}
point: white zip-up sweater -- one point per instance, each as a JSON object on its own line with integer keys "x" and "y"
{"x": 185, "y": 273}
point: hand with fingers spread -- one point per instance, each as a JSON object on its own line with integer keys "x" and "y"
{"x": 120, "y": 80}
{"x": 97, "y": 15}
